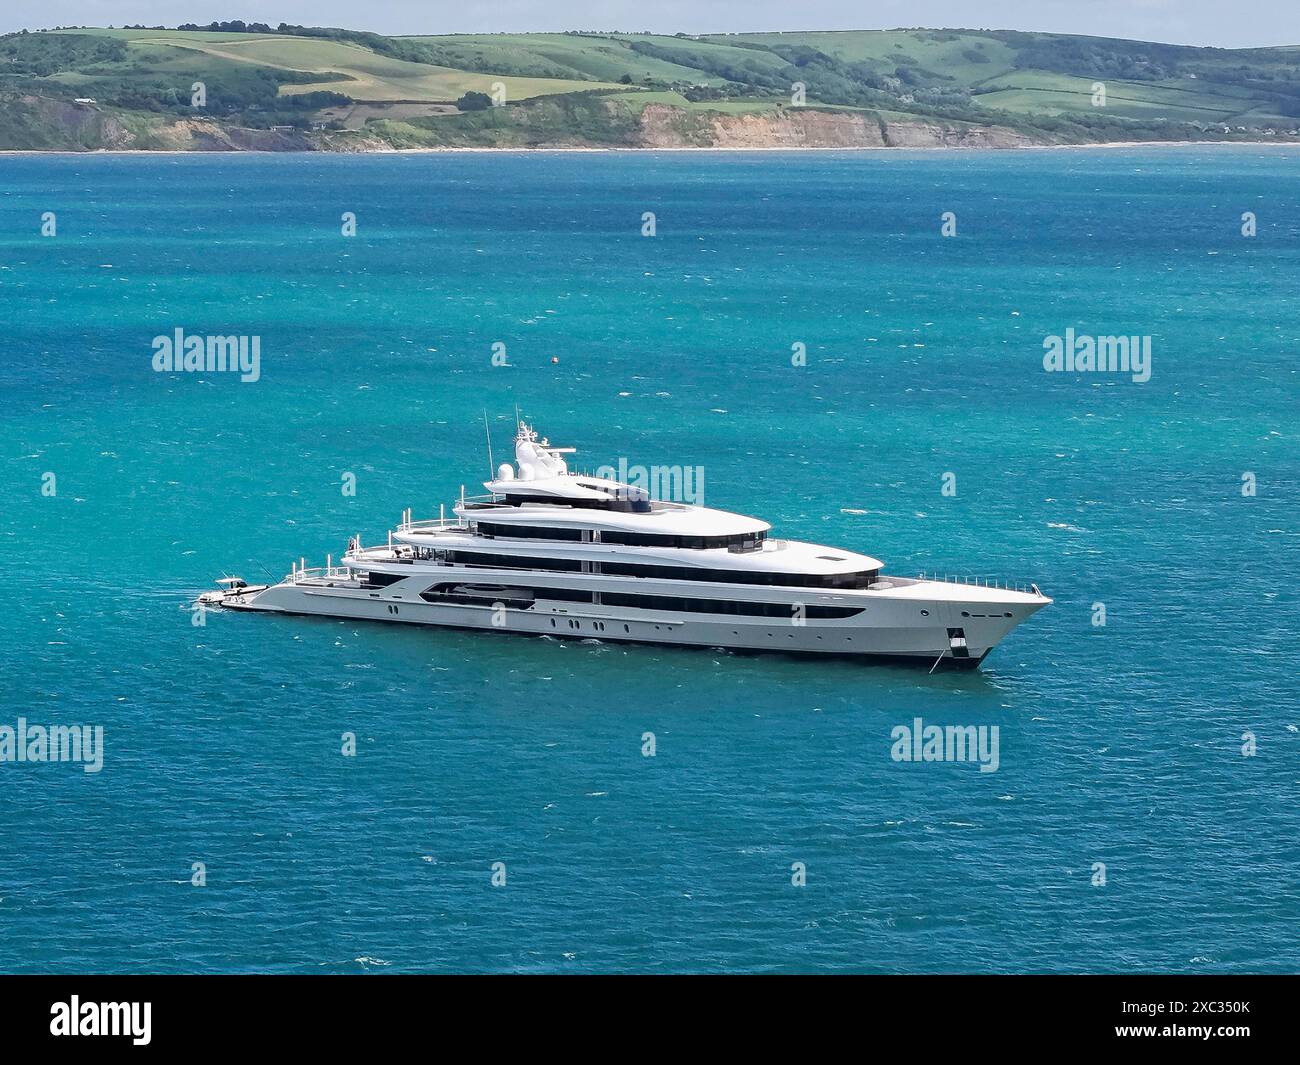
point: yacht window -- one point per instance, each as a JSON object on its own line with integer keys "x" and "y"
{"x": 614, "y": 502}
{"x": 724, "y": 606}
{"x": 858, "y": 579}
{"x": 564, "y": 595}
{"x": 528, "y": 532}
{"x": 494, "y": 561}
{"x": 741, "y": 542}
{"x": 855, "y": 579}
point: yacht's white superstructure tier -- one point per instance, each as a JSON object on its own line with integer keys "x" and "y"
{"x": 664, "y": 519}
{"x": 774, "y": 556}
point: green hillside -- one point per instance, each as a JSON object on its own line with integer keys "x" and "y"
{"x": 347, "y": 89}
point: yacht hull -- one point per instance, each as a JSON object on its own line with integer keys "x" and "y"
{"x": 887, "y": 630}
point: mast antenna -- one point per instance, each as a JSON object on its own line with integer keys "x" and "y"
{"x": 491, "y": 467}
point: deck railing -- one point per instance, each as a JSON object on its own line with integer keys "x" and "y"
{"x": 302, "y": 572}
{"x": 1027, "y": 587}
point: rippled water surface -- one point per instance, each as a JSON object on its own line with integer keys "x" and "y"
{"x": 1119, "y": 744}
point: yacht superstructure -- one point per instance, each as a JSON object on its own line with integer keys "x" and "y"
{"x": 553, "y": 553}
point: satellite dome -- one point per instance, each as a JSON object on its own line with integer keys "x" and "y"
{"x": 505, "y": 472}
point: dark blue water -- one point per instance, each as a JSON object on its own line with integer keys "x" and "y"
{"x": 1120, "y": 744}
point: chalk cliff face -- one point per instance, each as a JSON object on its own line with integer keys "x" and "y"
{"x": 922, "y": 134}
{"x": 663, "y": 126}
{"x": 672, "y": 127}
{"x": 204, "y": 135}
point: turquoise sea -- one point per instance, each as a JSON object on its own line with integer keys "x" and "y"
{"x": 1120, "y": 744}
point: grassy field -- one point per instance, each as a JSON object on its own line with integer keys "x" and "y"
{"x": 1216, "y": 85}
{"x": 340, "y": 66}
{"x": 962, "y": 57}
{"x": 1034, "y": 92}
{"x": 707, "y": 54}
{"x": 559, "y": 55}
{"x": 404, "y": 90}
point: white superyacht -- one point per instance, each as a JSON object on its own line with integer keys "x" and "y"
{"x": 553, "y": 553}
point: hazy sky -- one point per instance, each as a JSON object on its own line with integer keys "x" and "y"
{"x": 1238, "y": 23}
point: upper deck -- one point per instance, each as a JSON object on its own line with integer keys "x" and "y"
{"x": 770, "y": 555}
{"x": 663, "y": 519}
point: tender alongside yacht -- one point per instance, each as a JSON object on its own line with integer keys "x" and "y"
{"x": 553, "y": 553}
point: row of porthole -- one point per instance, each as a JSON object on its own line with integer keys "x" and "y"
{"x": 968, "y": 614}
{"x": 392, "y": 609}
{"x": 789, "y": 636}
{"x": 599, "y": 626}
